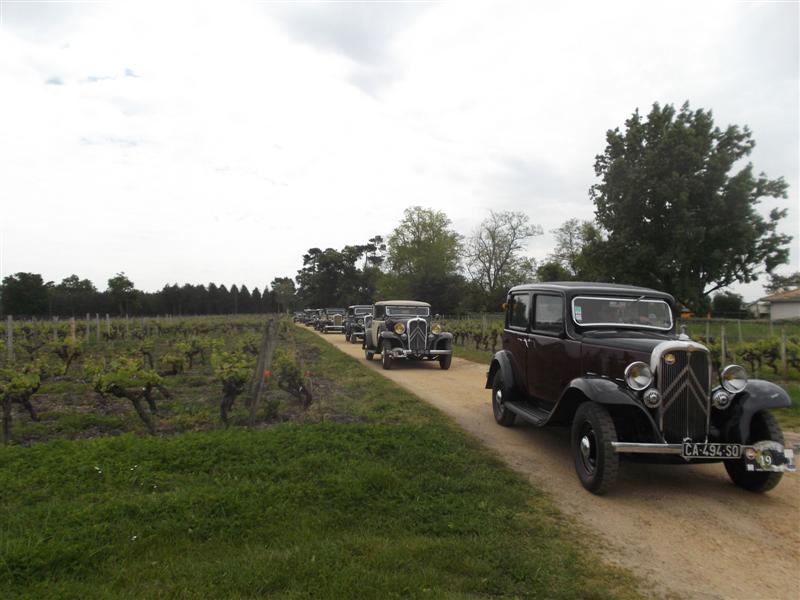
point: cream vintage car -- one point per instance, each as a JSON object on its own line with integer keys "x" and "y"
{"x": 405, "y": 329}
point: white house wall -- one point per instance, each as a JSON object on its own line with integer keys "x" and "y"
{"x": 785, "y": 310}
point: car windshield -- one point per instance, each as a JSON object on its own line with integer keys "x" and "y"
{"x": 363, "y": 311}
{"x": 408, "y": 311}
{"x": 334, "y": 311}
{"x": 588, "y": 311}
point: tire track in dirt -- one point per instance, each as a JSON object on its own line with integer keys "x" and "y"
{"x": 685, "y": 530}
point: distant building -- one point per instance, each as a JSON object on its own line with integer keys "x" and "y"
{"x": 783, "y": 305}
{"x": 759, "y": 309}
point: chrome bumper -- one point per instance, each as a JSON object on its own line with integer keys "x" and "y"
{"x": 403, "y": 352}
{"x": 761, "y": 456}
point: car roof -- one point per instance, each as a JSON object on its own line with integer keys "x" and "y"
{"x": 360, "y": 306}
{"x": 576, "y": 288}
{"x": 402, "y": 303}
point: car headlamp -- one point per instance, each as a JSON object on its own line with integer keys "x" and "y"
{"x": 436, "y": 329}
{"x": 399, "y": 328}
{"x": 733, "y": 378}
{"x": 638, "y": 376}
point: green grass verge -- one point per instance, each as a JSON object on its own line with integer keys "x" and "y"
{"x": 398, "y": 504}
{"x": 478, "y": 356}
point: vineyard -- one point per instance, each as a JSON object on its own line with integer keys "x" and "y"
{"x": 78, "y": 380}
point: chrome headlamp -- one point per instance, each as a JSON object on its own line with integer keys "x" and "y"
{"x": 399, "y": 328}
{"x": 638, "y": 376}
{"x": 436, "y": 329}
{"x": 721, "y": 400}
{"x": 733, "y": 378}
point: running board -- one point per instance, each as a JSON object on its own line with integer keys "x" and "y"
{"x": 537, "y": 416}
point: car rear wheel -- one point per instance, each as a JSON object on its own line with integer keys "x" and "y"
{"x": 596, "y": 462}
{"x": 369, "y": 354}
{"x": 502, "y": 415}
{"x": 386, "y": 355}
{"x": 763, "y": 427}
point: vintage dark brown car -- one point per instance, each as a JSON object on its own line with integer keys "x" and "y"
{"x": 607, "y": 360}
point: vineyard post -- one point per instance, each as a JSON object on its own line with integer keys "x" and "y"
{"x": 708, "y": 331}
{"x": 10, "y": 338}
{"x": 739, "y": 324}
{"x": 264, "y": 361}
{"x": 723, "y": 343}
{"x": 88, "y": 327}
{"x": 784, "y": 365}
{"x": 97, "y": 322}
{"x": 108, "y": 326}
{"x": 72, "y": 328}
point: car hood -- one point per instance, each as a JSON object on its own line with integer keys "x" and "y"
{"x": 633, "y": 344}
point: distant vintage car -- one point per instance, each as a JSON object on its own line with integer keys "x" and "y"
{"x": 298, "y": 317}
{"x": 354, "y": 322}
{"x": 331, "y": 319}
{"x": 405, "y": 329}
{"x": 607, "y": 360}
{"x": 312, "y": 317}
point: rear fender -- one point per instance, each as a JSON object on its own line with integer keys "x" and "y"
{"x": 501, "y": 362}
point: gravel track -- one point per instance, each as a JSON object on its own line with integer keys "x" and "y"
{"x": 685, "y": 530}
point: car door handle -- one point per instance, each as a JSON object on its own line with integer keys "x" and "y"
{"x": 524, "y": 341}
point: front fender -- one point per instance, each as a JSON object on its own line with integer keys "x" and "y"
{"x": 390, "y": 335}
{"x": 440, "y": 339}
{"x": 758, "y": 395}
{"x": 603, "y": 391}
{"x": 500, "y": 362}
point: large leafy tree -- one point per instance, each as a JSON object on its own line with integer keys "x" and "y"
{"x": 331, "y": 277}
{"x": 423, "y": 258}
{"x": 677, "y": 214}
{"x": 122, "y": 292}
{"x": 575, "y": 254}
{"x": 494, "y": 257}
{"x": 25, "y": 294}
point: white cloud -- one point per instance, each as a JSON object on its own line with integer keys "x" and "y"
{"x": 210, "y": 141}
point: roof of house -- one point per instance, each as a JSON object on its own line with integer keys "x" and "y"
{"x": 790, "y": 296}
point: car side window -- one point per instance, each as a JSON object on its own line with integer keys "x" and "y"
{"x": 519, "y": 311}
{"x": 549, "y": 314}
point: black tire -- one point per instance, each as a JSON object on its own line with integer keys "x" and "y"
{"x": 386, "y": 355}
{"x": 446, "y": 359}
{"x": 369, "y": 354}
{"x": 596, "y": 462}
{"x": 763, "y": 427}
{"x": 502, "y": 415}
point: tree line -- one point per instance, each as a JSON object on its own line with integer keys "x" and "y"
{"x": 675, "y": 210}
{"x": 28, "y": 295}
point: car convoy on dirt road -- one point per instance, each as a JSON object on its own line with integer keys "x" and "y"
{"x": 607, "y": 361}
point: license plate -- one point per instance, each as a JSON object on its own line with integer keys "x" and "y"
{"x": 692, "y": 450}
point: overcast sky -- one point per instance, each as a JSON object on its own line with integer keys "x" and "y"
{"x": 218, "y": 141}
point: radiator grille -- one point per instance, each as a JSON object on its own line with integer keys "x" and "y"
{"x": 417, "y": 335}
{"x": 685, "y": 388}
{"x": 337, "y": 320}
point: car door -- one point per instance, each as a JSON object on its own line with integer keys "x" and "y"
{"x": 550, "y": 364}
{"x": 516, "y": 337}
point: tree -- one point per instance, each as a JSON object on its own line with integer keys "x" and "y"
{"x": 122, "y": 292}
{"x": 492, "y": 254}
{"x": 25, "y": 294}
{"x": 676, "y": 218}
{"x": 423, "y": 260}
{"x": 782, "y": 283}
{"x": 727, "y": 305}
{"x": 284, "y": 291}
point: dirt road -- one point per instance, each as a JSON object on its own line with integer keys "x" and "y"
{"x": 685, "y": 529}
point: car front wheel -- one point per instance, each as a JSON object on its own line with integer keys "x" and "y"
{"x": 446, "y": 359}
{"x": 596, "y": 462}
{"x": 369, "y": 354}
{"x": 502, "y": 415}
{"x": 386, "y": 355}
{"x": 763, "y": 427}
